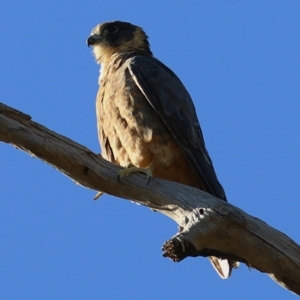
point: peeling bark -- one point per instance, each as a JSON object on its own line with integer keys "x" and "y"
{"x": 208, "y": 226}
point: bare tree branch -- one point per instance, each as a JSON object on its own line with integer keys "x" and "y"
{"x": 208, "y": 226}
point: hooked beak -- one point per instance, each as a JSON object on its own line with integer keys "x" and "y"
{"x": 93, "y": 40}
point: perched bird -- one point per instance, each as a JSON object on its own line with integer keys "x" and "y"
{"x": 146, "y": 118}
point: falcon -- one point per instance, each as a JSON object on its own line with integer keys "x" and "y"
{"x": 146, "y": 118}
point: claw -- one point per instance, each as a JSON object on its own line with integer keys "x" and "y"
{"x": 132, "y": 169}
{"x": 149, "y": 179}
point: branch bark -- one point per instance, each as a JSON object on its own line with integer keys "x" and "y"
{"x": 207, "y": 226}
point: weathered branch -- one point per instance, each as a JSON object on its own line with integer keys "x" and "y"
{"x": 208, "y": 226}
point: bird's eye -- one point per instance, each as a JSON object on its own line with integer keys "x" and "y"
{"x": 111, "y": 29}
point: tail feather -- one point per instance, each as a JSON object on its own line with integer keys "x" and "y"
{"x": 223, "y": 266}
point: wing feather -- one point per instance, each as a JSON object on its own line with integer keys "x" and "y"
{"x": 172, "y": 102}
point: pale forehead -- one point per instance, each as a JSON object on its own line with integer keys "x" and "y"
{"x": 99, "y": 27}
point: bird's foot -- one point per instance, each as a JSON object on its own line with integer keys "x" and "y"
{"x": 132, "y": 169}
{"x": 98, "y": 195}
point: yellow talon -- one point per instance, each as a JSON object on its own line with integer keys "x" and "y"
{"x": 132, "y": 169}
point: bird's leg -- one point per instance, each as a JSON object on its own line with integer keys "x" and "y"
{"x": 133, "y": 169}
{"x": 98, "y": 195}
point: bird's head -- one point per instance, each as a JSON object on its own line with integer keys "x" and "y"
{"x": 117, "y": 37}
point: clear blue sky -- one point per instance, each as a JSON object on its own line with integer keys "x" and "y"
{"x": 240, "y": 62}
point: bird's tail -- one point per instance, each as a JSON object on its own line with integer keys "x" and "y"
{"x": 223, "y": 266}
